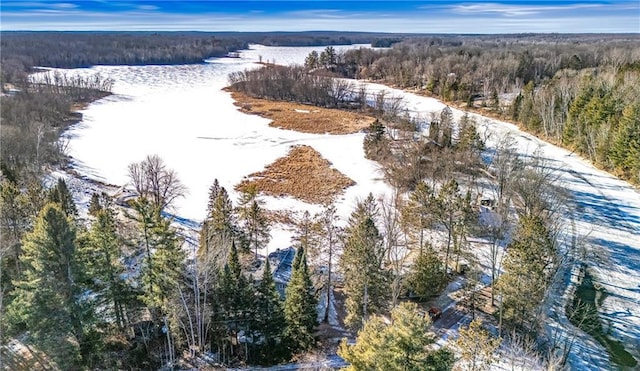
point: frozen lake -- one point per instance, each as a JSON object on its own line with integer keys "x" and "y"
{"x": 181, "y": 114}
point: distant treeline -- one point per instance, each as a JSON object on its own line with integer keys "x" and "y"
{"x": 23, "y": 50}
{"x": 316, "y": 38}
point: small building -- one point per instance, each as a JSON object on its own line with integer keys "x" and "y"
{"x": 282, "y": 260}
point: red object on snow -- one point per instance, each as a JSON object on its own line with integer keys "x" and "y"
{"x": 435, "y": 313}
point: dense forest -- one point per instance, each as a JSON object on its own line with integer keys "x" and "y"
{"x": 123, "y": 288}
{"x": 23, "y": 50}
{"x": 581, "y": 92}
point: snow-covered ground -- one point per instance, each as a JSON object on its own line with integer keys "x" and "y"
{"x": 181, "y": 114}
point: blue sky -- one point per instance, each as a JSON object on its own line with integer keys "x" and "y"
{"x": 442, "y": 16}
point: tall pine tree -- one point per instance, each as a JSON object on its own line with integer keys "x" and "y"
{"x": 300, "y": 306}
{"x": 256, "y": 224}
{"x": 269, "y": 318}
{"x": 102, "y": 259}
{"x": 60, "y": 195}
{"x": 164, "y": 259}
{"x": 49, "y": 300}
{"x": 219, "y": 228}
{"x": 528, "y": 268}
{"x": 234, "y": 313}
{"x": 365, "y": 278}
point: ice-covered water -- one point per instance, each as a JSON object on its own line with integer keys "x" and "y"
{"x": 182, "y": 114}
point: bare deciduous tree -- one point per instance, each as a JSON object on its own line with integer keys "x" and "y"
{"x": 395, "y": 241}
{"x": 152, "y": 179}
{"x": 326, "y": 252}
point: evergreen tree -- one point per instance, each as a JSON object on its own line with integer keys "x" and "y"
{"x": 14, "y": 222}
{"x": 376, "y": 144}
{"x": 300, "y": 306}
{"x": 49, "y": 300}
{"x": 269, "y": 319}
{"x": 625, "y": 153}
{"x": 94, "y": 204}
{"x": 214, "y": 192}
{"x": 102, "y": 253}
{"x": 526, "y": 111}
{"x": 469, "y": 141}
{"x": 514, "y": 109}
{"x": 425, "y": 278}
{"x": 446, "y": 125}
{"x": 256, "y": 224}
{"x": 164, "y": 257}
{"x": 495, "y": 100}
{"x": 60, "y": 194}
{"x": 477, "y": 347}
{"x": 365, "y": 279}
{"x": 401, "y": 345}
{"x": 418, "y": 213}
{"x": 328, "y": 57}
{"x": 219, "y": 228}
{"x": 528, "y": 267}
{"x": 312, "y": 60}
{"x": 235, "y": 309}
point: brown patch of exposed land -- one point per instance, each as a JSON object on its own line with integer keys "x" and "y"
{"x": 301, "y": 117}
{"x": 302, "y": 174}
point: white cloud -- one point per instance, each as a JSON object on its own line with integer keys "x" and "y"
{"x": 319, "y": 13}
{"x": 64, "y": 6}
{"x": 510, "y": 10}
{"x": 37, "y": 4}
{"x": 148, "y": 7}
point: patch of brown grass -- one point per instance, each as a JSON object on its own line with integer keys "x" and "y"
{"x": 302, "y": 174}
{"x": 301, "y": 117}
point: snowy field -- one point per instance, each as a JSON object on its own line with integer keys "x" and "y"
{"x": 181, "y": 114}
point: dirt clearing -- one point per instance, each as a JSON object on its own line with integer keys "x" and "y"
{"x": 302, "y": 174}
{"x": 301, "y": 117}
